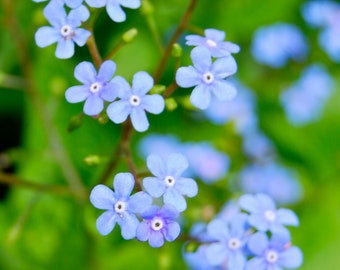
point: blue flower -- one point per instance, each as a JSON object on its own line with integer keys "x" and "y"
{"x": 113, "y": 7}
{"x": 214, "y": 41}
{"x": 158, "y": 224}
{"x": 258, "y": 146}
{"x": 134, "y": 101}
{"x": 208, "y": 77}
{"x": 96, "y": 88}
{"x": 263, "y": 214}
{"x": 69, "y": 3}
{"x": 275, "y": 44}
{"x": 276, "y": 253}
{"x": 168, "y": 181}
{"x": 64, "y": 30}
{"x": 230, "y": 240}
{"x": 119, "y": 205}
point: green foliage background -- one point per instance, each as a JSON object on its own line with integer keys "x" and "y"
{"x": 40, "y": 230}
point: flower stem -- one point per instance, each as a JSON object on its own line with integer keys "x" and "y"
{"x": 93, "y": 49}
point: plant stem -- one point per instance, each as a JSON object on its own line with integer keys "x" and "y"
{"x": 92, "y": 45}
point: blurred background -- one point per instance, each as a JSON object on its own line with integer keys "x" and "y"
{"x": 280, "y": 135}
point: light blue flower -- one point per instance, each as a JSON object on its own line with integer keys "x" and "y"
{"x": 208, "y": 78}
{"x": 114, "y": 7}
{"x": 263, "y": 214}
{"x": 134, "y": 101}
{"x": 258, "y": 146}
{"x": 275, "y": 44}
{"x": 214, "y": 41}
{"x": 69, "y": 3}
{"x": 119, "y": 205}
{"x": 158, "y": 224}
{"x": 169, "y": 182}
{"x": 276, "y": 253}
{"x": 95, "y": 88}
{"x": 64, "y": 30}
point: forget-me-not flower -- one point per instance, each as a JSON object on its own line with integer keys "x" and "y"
{"x": 263, "y": 214}
{"x": 207, "y": 77}
{"x": 114, "y": 7}
{"x": 134, "y": 101}
{"x": 96, "y": 87}
{"x": 214, "y": 41}
{"x": 69, "y": 3}
{"x": 158, "y": 224}
{"x": 119, "y": 205}
{"x": 64, "y": 30}
{"x": 168, "y": 180}
{"x": 274, "y": 253}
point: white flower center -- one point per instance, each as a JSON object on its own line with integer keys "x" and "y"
{"x": 272, "y": 256}
{"x": 169, "y": 181}
{"x": 211, "y": 43}
{"x": 157, "y": 224}
{"x": 134, "y": 100}
{"x": 66, "y": 31}
{"x": 95, "y": 87}
{"x": 270, "y": 215}
{"x": 208, "y": 77}
{"x": 234, "y": 243}
{"x": 120, "y": 208}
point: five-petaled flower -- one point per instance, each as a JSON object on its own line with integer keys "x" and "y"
{"x": 119, "y": 205}
{"x": 169, "y": 181}
{"x": 64, "y": 30}
{"x": 96, "y": 88}
{"x": 208, "y": 77}
{"x": 69, "y": 3}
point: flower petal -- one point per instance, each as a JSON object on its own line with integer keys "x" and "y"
{"x": 106, "y": 71}
{"x": 139, "y": 202}
{"x": 287, "y": 217}
{"x": 257, "y": 243}
{"x": 106, "y": 222}
{"x": 93, "y": 105}
{"x": 139, "y": 120}
{"x": 156, "y": 239}
{"x": 123, "y": 184}
{"x": 128, "y": 225}
{"x": 176, "y": 164}
{"x": 172, "y": 231}
{"x": 143, "y": 231}
{"x": 115, "y": 12}
{"x": 118, "y": 111}
{"x": 218, "y": 229}
{"x": 256, "y": 264}
{"x": 201, "y": 58}
{"x": 142, "y": 83}
{"x": 85, "y": 72}
{"x": 130, "y": 3}
{"x": 223, "y": 90}
{"x": 216, "y": 253}
{"x": 77, "y": 93}
{"x": 154, "y": 186}
{"x": 224, "y": 67}
{"x": 122, "y": 86}
{"x": 153, "y": 103}
{"x": 187, "y": 186}
{"x": 109, "y": 92}
{"x": 81, "y": 36}
{"x": 65, "y": 49}
{"x": 78, "y": 14}
{"x": 46, "y": 36}
{"x": 291, "y": 258}
{"x": 157, "y": 166}
{"x": 213, "y": 34}
{"x": 200, "y": 97}
{"x": 96, "y": 3}
{"x": 171, "y": 196}
{"x": 102, "y": 197}
{"x": 187, "y": 77}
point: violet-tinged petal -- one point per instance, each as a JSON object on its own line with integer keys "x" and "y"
{"x": 187, "y": 186}
{"x": 77, "y": 93}
{"x": 200, "y": 97}
{"x": 85, "y": 73}
{"x": 150, "y": 212}
{"x": 118, "y": 111}
{"x": 143, "y": 231}
{"x": 139, "y": 120}
{"x": 201, "y": 59}
{"x": 216, "y": 253}
{"x": 168, "y": 211}
{"x": 187, "y": 77}
{"x": 154, "y": 186}
{"x": 123, "y": 184}
{"x": 139, "y": 202}
{"x": 93, "y": 105}
{"x": 102, "y": 197}
{"x": 237, "y": 261}
{"x": 106, "y": 222}
{"x": 46, "y": 36}
{"x": 259, "y": 222}
{"x": 257, "y": 243}
{"x": 156, "y": 166}
{"x": 81, "y": 36}
{"x": 256, "y": 264}
{"x": 115, "y": 12}
{"x": 171, "y": 196}
{"x": 156, "y": 239}
{"x": 223, "y": 90}
{"x": 172, "y": 231}
{"x": 106, "y": 71}
{"x": 65, "y": 49}
{"x": 142, "y": 82}
{"x": 153, "y": 103}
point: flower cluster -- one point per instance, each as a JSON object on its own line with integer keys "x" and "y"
{"x": 253, "y": 239}
{"x": 158, "y": 223}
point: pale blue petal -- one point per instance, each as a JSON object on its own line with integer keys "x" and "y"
{"x": 249, "y": 203}
{"x": 229, "y": 47}
{"x": 171, "y": 196}
{"x": 150, "y": 212}
{"x": 187, "y": 77}
{"x": 216, "y": 253}
{"x": 106, "y": 222}
{"x": 223, "y": 90}
{"x": 267, "y": 203}
{"x": 128, "y": 225}
{"x": 256, "y": 264}
{"x": 85, "y": 73}
{"x": 139, "y": 120}
{"x": 78, "y": 15}
{"x": 124, "y": 90}
{"x": 153, "y": 103}
{"x": 130, "y": 3}
{"x": 224, "y": 67}
{"x": 65, "y": 49}
{"x": 109, "y": 92}
{"x": 106, "y": 71}
{"x": 143, "y": 231}
{"x": 176, "y": 164}
{"x": 200, "y": 97}
{"x": 156, "y": 239}
{"x": 201, "y": 58}
{"x": 291, "y": 258}
{"x": 73, "y": 3}
{"x": 46, "y": 36}
{"x": 187, "y": 186}
{"x": 169, "y": 211}
{"x": 81, "y": 36}
{"x": 139, "y": 202}
{"x": 77, "y": 93}
{"x": 194, "y": 40}
{"x": 213, "y": 34}
{"x": 118, "y": 111}
{"x": 258, "y": 243}
{"x": 96, "y": 3}
{"x": 156, "y": 166}
{"x": 123, "y": 184}
{"x": 102, "y": 197}
{"x": 172, "y": 231}
{"x": 115, "y": 12}
{"x": 218, "y": 229}
{"x": 142, "y": 83}
{"x": 287, "y": 217}
{"x": 258, "y": 221}
{"x": 93, "y": 105}
{"x": 237, "y": 261}
{"x": 55, "y": 13}
{"x": 154, "y": 186}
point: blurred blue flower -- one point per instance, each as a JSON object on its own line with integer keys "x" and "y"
{"x": 208, "y": 77}
{"x": 275, "y": 44}
{"x": 231, "y": 239}
{"x": 258, "y": 146}
{"x": 169, "y": 181}
{"x": 303, "y": 102}
{"x": 206, "y": 162}
{"x": 95, "y": 88}
{"x": 276, "y": 253}
{"x": 272, "y": 179}
{"x": 64, "y": 30}
{"x": 69, "y": 3}
{"x": 134, "y": 101}
{"x": 158, "y": 224}
{"x": 119, "y": 205}
{"x": 198, "y": 260}
{"x": 114, "y": 7}
{"x": 263, "y": 214}
{"x": 214, "y": 41}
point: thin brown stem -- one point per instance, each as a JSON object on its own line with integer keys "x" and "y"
{"x": 170, "y": 90}
{"x": 115, "y": 50}
{"x": 175, "y": 36}
{"x": 93, "y": 49}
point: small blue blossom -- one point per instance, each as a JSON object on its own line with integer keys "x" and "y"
{"x": 64, "y": 30}
{"x": 69, "y": 3}
{"x": 169, "y": 181}
{"x": 158, "y": 224}
{"x": 258, "y": 146}
{"x": 231, "y": 239}
{"x": 275, "y": 44}
{"x": 208, "y": 77}
{"x": 304, "y": 101}
{"x": 114, "y": 7}
{"x": 119, "y": 205}
{"x": 214, "y": 41}
{"x": 95, "y": 88}
{"x": 263, "y": 214}
{"x": 134, "y": 101}
{"x": 276, "y": 253}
